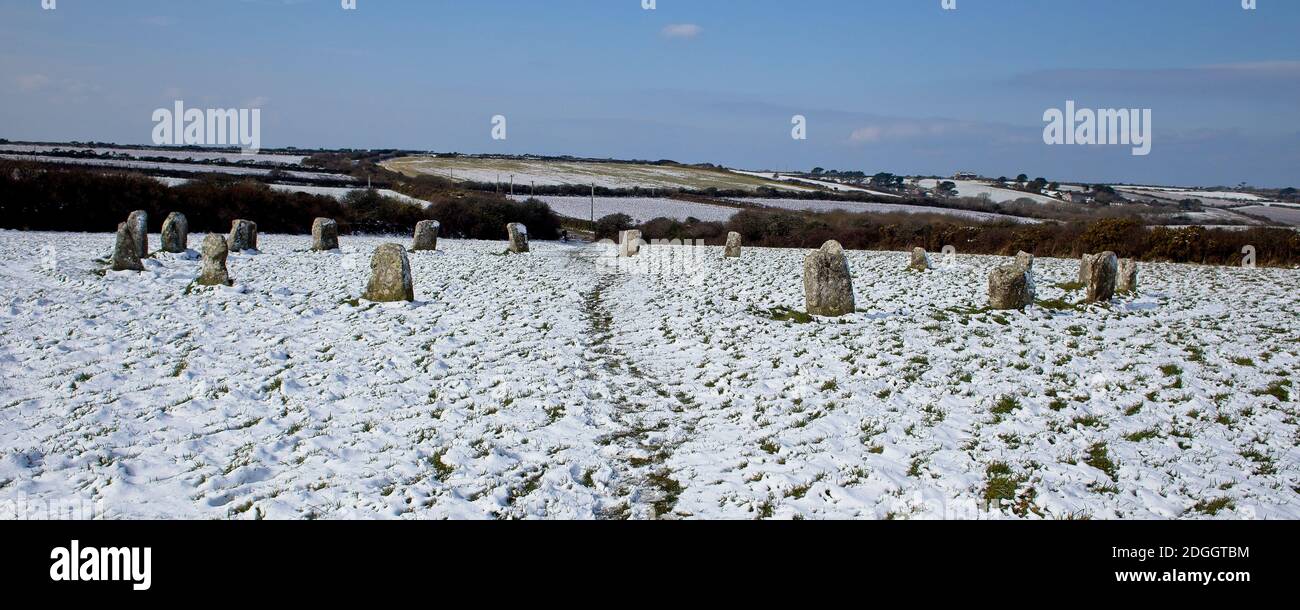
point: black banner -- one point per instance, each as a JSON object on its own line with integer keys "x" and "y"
{"x": 323, "y": 559}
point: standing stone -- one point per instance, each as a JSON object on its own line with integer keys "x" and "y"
{"x": 125, "y": 257}
{"x": 1085, "y": 267}
{"x": 390, "y": 275}
{"x": 214, "y": 272}
{"x": 733, "y": 245}
{"x": 176, "y": 233}
{"x": 1025, "y": 261}
{"x": 426, "y": 235}
{"x": 1128, "y": 276}
{"x": 827, "y": 283}
{"x": 518, "y": 237}
{"x": 324, "y": 235}
{"x": 138, "y": 224}
{"x": 243, "y": 236}
{"x": 920, "y": 260}
{"x": 629, "y": 243}
{"x": 1010, "y": 288}
{"x": 1104, "y": 273}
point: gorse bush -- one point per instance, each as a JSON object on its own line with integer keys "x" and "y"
{"x": 902, "y": 231}
{"x": 42, "y": 198}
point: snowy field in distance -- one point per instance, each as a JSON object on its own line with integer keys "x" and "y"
{"x": 550, "y": 172}
{"x": 971, "y": 188}
{"x": 531, "y": 386}
{"x": 641, "y": 209}
{"x": 813, "y": 205}
{"x": 233, "y": 170}
{"x": 179, "y": 155}
{"x": 827, "y": 184}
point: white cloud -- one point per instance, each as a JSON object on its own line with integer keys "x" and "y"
{"x": 682, "y": 30}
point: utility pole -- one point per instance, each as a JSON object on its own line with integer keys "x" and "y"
{"x": 593, "y": 206}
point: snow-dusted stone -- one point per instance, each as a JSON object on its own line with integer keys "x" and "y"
{"x": 426, "y": 235}
{"x": 733, "y": 245}
{"x": 518, "y": 237}
{"x": 1010, "y": 287}
{"x": 1025, "y": 261}
{"x": 125, "y": 257}
{"x": 827, "y": 283}
{"x": 324, "y": 235}
{"x": 138, "y": 224}
{"x": 213, "y": 272}
{"x": 920, "y": 260}
{"x": 1128, "y": 276}
{"x": 1104, "y": 273}
{"x": 629, "y": 243}
{"x": 243, "y": 236}
{"x": 176, "y": 233}
{"x": 1085, "y": 267}
{"x": 390, "y": 275}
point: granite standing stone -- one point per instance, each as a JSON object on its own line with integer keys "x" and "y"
{"x": 1104, "y": 272}
{"x": 1010, "y": 288}
{"x": 176, "y": 233}
{"x": 213, "y": 271}
{"x": 518, "y": 237}
{"x": 138, "y": 224}
{"x": 243, "y": 236}
{"x": 629, "y": 243}
{"x": 920, "y": 260}
{"x": 125, "y": 257}
{"x": 1128, "y": 276}
{"x": 324, "y": 235}
{"x": 426, "y": 235}
{"x": 390, "y": 275}
{"x": 733, "y": 245}
{"x": 827, "y": 282}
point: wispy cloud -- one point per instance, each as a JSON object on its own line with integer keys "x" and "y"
{"x": 1250, "y": 80}
{"x": 682, "y": 30}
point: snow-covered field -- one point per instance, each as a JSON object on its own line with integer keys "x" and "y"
{"x": 641, "y": 209}
{"x": 178, "y": 154}
{"x": 971, "y": 188}
{"x": 538, "y": 385}
{"x": 826, "y": 184}
{"x": 1277, "y": 213}
{"x": 337, "y": 192}
{"x": 234, "y": 170}
{"x": 853, "y": 206}
{"x": 547, "y": 172}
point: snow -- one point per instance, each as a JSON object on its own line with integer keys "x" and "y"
{"x": 337, "y": 192}
{"x": 852, "y": 206}
{"x": 234, "y": 170}
{"x": 1178, "y": 193}
{"x": 180, "y": 155}
{"x": 641, "y": 209}
{"x": 543, "y": 385}
{"x": 970, "y": 188}
{"x": 550, "y": 172}
{"x": 834, "y": 186}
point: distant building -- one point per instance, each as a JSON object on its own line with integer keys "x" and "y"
{"x": 1078, "y": 197}
{"x": 965, "y": 176}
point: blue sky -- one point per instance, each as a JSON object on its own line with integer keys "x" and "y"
{"x": 886, "y": 85}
